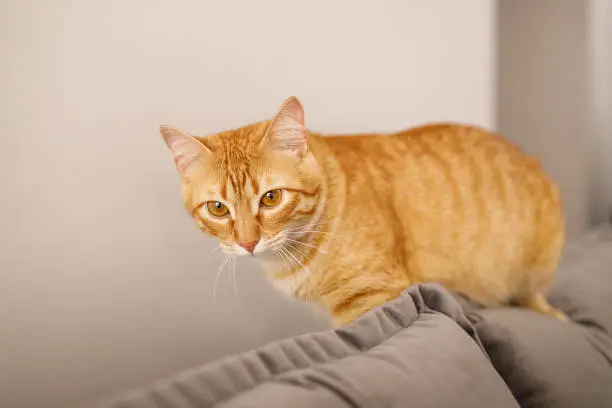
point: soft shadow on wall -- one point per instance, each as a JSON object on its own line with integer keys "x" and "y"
{"x": 553, "y": 90}
{"x": 600, "y": 106}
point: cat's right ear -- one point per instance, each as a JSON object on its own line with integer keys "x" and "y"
{"x": 287, "y": 132}
{"x": 187, "y": 151}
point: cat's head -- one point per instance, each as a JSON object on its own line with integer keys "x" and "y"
{"x": 252, "y": 187}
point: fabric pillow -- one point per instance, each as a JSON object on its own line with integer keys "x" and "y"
{"x": 549, "y": 363}
{"x": 417, "y": 350}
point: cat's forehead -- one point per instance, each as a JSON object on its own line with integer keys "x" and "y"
{"x": 240, "y": 177}
{"x": 238, "y": 183}
{"x": 240, "y": 170}
{"x": 232, "y": 187}
{"x": 246, "y": 181}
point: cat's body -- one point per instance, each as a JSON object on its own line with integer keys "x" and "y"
{"x": 446, "y": 203}
{"x": 372, "y": 214}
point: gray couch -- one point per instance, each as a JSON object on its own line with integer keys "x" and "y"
{"x": 427, "y": 348}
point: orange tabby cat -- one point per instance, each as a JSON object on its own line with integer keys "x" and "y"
{"x": 351, "y": 221}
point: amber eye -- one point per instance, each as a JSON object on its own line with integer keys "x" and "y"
{"x": 271, "y": 198}
{"x": 217, "y": 209}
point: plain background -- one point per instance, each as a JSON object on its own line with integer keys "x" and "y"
{"x": 599, "y": 116}
{"x": 554, "y": 96}
{"x": 543, "y": 92}
{"x": 105, "y": 282}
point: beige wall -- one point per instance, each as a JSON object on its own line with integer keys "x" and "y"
{"x": 543, "y": 99}
{"x": 106, "y": 283}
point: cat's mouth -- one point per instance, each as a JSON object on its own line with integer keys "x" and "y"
{"x": 245, "y": 249}
{"x": 263, "y": 247}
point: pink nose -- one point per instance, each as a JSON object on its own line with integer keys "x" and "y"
{"x": 249, "y": 246}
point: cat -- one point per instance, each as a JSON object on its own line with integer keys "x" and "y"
{"x": 348, "y": 222}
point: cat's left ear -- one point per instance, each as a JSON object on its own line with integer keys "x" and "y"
{"x": 187, "y": 151}
{"x": 287, "y": 133}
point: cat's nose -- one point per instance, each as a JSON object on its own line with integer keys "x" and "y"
{"x": 249, "y": 246}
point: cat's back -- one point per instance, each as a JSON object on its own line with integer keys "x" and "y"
{"x": 470, "y": 203}
{"x": 448, "y": 152}
{"x": 446, "y": 138}
{"x": 450, "y": 136}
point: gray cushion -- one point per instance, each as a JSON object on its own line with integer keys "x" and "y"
{"x": 421, "y": 350}
{"x": 548, "y": 363}
{"x": 417, "y": 350}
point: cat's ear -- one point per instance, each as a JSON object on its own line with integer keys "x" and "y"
{"x": 287, "y": 132}
{"x": 186, "y": 150}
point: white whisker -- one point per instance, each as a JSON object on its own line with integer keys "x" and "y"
{"x": 299, "y": 264}
{"x": 298, "y": 272}
{"x": 317, "y": 232}
{"x": 210, "y": 260}
{"x": 234, "y": 284}
{"x": 310, "y": 225}
{"x": 235, "y": 279}
{"x": 290, "y": 262}
{"x": 217, "y": 276}
{"x": 296, "y": 262}
{"x": 284, "y": 258}
{"x": 308, "y": 245}
{"x": 300, "y": 252}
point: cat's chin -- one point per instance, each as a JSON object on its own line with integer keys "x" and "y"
{"x": 241, "y": 252}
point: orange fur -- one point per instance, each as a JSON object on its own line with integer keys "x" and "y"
{"x": 364, "y": 216}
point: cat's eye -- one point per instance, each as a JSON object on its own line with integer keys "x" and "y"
{"x": 217, "y": 209}
{"x": 271, "y": 198}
